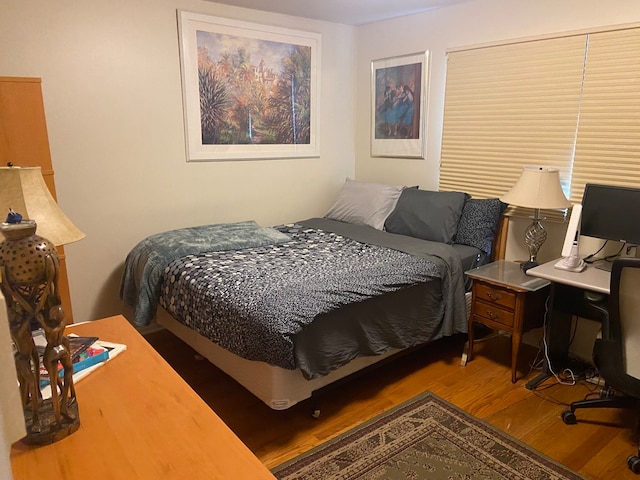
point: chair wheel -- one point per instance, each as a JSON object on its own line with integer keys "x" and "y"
{"x": 633, "y": 462}
{"x": 569, "y": 418}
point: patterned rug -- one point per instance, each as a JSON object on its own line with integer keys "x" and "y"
{"x": 424, "y": 438}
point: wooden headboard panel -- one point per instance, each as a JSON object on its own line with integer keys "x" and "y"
{"x": 500, "y": 240}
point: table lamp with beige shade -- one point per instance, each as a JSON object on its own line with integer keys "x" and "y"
{"x": 29, "y": 266}
{"x": 538, "y": 188}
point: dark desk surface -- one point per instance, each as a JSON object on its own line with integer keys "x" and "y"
{"x": 591, "y": 278}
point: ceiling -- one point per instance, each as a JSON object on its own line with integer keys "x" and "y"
{"x": 350, "y": 12}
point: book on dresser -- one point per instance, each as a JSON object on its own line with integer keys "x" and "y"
{"x": 87, "y": 354}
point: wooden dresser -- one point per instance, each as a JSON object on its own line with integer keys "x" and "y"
{"x": 139, "y": 420}
{"x": 24, "y": 142}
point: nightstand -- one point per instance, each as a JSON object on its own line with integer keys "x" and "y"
{"x": 506, "y": 300}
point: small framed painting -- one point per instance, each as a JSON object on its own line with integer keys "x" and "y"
{"x": 399, "y": 88}
{"x": 250, "y": 91}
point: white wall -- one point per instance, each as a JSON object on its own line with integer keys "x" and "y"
{"x": 474, "y": 22}
{"x": 111, "y": 85}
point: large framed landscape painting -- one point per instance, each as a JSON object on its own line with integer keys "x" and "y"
{"x": 250, "y": 91}
{"x": 399, "y": 88}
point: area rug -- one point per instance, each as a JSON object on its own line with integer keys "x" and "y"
{"x": 424, "y": 438}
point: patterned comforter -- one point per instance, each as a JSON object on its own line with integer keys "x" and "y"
{"x": 142, "y": 276}
{"x": 255, "y": 302}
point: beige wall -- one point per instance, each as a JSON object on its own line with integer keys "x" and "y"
{"x": 474, "y": 22}
{"x": 111, "y": 85}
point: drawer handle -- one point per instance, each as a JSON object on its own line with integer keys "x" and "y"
{"x": 494, "y": 296}
{"x": 492, "y": 315}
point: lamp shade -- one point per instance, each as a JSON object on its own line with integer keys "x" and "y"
{"x": 537, "y": 187}
{"x": 24, "y": 191}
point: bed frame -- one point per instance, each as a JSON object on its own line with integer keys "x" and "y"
{"x": 277, "y": 387}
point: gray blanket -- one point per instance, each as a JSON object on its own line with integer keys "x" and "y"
{"x": 142, "y": 278}
{"x": 451, "y": 271}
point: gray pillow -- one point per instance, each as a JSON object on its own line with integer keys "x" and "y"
{"x": 479, "y": 223}
{"x": 363, "y": 203}
{"x": 428, "y": 215}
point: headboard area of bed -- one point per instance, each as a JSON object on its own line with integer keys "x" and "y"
{"x": 500, "y": 239}
{"x": 438, "y": 216}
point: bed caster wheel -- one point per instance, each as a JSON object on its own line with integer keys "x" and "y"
{"x": 569, "y": 418}
{"x": 633, "y": 462}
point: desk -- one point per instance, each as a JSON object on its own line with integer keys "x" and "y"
{"x": 584, "y": 294}
{"x": 591, "y": 278}
{"x": 138, "y": 419}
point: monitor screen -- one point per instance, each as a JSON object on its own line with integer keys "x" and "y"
{"x": 611, "y": 213}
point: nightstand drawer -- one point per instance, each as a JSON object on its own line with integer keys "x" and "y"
{"x": 487, "y": 293}
{"x": 494, "y": 313}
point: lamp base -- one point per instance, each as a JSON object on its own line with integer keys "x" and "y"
{"x": 534, "y": 236}
{"x": 527, "y": 265}
{"x": 46, "y": 430}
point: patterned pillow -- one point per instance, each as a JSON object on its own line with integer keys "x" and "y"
{"x": 479, "y": 223}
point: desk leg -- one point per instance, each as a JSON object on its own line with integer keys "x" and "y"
{"x": 540, "y": 378}
{"x": 557, "y": 333}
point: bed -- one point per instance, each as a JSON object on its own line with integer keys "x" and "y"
{"x": 289, "y": 310}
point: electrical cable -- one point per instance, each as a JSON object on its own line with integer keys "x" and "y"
{"x": 592, "y": 390}
{"x": 538, "y": 362}
{"x": 566, "y": 371}
{"x": 572, "y": 337}
{"x": 608, "y": 258}
{"x": 588, "y": 258}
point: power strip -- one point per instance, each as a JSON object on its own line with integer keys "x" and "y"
{"x": 596, "y": 381}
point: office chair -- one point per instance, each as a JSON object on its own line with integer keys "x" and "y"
{"x": 617, "y": 353}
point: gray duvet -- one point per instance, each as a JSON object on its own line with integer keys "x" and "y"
{"x": 335, "y": 291}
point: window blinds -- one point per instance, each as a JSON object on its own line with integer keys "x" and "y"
{"x": 509, "y": 106}
{"x": 608, "y": 141}
{"x": 571, "y": 102}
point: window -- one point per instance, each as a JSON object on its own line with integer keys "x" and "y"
{"x": 608, "y": 140}
{"x": 571, "y": 102}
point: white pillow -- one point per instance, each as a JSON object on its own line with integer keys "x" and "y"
{"x": 363, "y": 203}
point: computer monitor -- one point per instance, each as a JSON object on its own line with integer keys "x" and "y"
{"x": 611, "y": 213}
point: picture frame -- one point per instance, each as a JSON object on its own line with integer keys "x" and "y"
{"x": 399, "y": 92}
{"x": 250, "y": 91}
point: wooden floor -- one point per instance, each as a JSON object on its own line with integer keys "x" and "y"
{"x": 596, "y": 447}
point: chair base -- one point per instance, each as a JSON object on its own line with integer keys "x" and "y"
{"x": 607, "y": 400}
